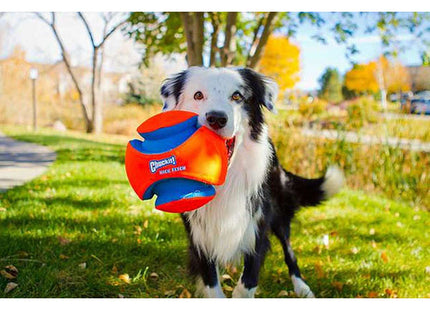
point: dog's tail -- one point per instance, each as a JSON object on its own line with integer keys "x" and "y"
{"x": 311, "y": 192}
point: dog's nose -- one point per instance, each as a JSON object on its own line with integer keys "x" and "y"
{"x": 216, "y": 119}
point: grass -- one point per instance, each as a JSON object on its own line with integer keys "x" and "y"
{"x": 418, "y": 129}
{"x": 83, "y": 211}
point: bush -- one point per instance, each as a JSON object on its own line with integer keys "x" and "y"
{"x": 312, "y": 109}
{"x": 361, "y": 112}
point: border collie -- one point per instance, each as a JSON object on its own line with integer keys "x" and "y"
{"x": 259, "y": 196}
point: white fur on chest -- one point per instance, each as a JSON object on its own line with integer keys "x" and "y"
{"x": 225, "y": 227}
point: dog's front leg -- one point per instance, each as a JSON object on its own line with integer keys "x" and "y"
{"x": 247, "y": 284}
{"x": 206, "y": 271}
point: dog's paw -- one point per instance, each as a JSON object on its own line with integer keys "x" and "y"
{"x": 208, "y": 292}
{"x": 301, "y": 288}
{"x": 240, "y": 291}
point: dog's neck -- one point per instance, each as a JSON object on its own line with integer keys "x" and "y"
{"x": 250, "y": 161}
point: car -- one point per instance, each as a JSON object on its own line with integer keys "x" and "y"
{"x": 420, "y": 103}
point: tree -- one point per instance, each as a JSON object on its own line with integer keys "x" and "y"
{"x": 425, "y": 58}
{"x": 281, "y": 61}
{"x": 331, "y": 86}
{"x": 361, "y": 79}
{"x": 93, "y": 117}
{"x": 232, "y": 38}
{"x": 381, "y": 74}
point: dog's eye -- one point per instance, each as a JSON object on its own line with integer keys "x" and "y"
{"x": 236, "y": 96}
{"x": 198, "y": 95}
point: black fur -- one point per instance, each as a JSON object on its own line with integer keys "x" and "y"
{"x": 254, "y": 100}
{"x": 174, "y": 85}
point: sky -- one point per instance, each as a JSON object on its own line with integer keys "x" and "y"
{"x": 36, "y": 39}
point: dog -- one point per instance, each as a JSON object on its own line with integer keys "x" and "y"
{"x": 259, "y": 196}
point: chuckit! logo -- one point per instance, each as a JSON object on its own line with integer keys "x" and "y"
{"x": 154, "y": 165}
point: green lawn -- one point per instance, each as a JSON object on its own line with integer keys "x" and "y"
{"x": 83, "y": 211}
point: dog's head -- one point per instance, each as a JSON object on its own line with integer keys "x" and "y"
{"x": 229, "y": 101}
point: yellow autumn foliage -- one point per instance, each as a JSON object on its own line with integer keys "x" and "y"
{"x": 365, "y": 78}
{"x": 281, "y": 61}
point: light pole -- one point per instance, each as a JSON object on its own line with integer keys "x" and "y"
{"x": 33, "y": 76}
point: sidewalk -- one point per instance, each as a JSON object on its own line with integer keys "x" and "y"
{"x": 21, "y": 161}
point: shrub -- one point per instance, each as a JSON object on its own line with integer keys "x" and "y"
{"x": 361, "y": 112}
{"x": 312, "y": 109}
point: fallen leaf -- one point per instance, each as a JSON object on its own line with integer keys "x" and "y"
{"x": 228, "y": 288}
{"x": 334, "y": 233}
{"x": 114, "y": 269}
{"x": 391, "y": 293}
{"x": 125, "y": 278}
{"x": 372, "y": 294}
{"x": 283, "y": 293}
{"x": 9, "y": 272}
{"x": 338, "y": 285}
{"x": 185, "y": 294}
{"x": 366, "y": 276}
{"x": 384, "y": 257}
{"x": 62, "y": 256}
{"x": 23, "y": 254}
{"x": 317, "y": 249}
{"x": 83, "y": 265}
{"x": 231, "y": 269}
{"x": 63, "y": 241}
{"x": 225, "y": 277}
{"x": 169, "y": 293}
{"x": 145, "y": 224}
{"x": 319, "y": 270}
{"x": 154, "y": 276}
{"x": 137, "y": 230}
{"x": 10, "y": 287}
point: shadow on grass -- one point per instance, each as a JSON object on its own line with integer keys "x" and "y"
{"x": 50, "y": 269}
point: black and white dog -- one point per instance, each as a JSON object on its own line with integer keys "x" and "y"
{"x": 259, "y": 196}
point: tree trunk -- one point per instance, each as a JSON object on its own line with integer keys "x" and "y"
{"x": 228, "y": 50}
{"x": 254, "y": 58}
{"x": 215, "y": 20}
{"x": 193, "y": 28}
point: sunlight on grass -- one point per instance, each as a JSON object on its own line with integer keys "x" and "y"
{"x": 84, "y": 211}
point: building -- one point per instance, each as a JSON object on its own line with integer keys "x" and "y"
{"x": 420, "y": 78}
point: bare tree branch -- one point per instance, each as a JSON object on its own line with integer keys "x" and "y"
{"x": 230, "y": 30}
{"x": 253, "y": 59}
{"x": 113, "y": 29}
{"x": 255, "y": 38}
{"x": 215, "y": 21}
{"x": 87, "y": 26}
{"x": 66, "y": 61}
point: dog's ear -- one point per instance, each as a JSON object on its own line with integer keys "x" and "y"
{"x": 171, "y": 90}
{"x": 263, "y": 88}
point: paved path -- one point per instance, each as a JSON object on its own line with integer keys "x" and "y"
{"x": 350, "y": 136}
{"x": 21, "y": 161}
{"x": 389, "y": 115}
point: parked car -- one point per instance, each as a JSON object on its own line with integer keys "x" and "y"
{"x": 420, "y": 103}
